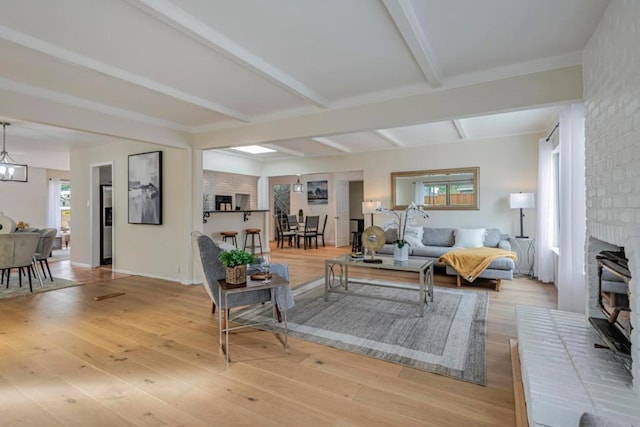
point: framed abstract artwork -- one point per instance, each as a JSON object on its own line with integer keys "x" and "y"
{"x": 317, "y": 192}
{"x": 145, "y": 188}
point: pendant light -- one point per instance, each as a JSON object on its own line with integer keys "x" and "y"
{"x": 297, "y": 187}
{"x": 10, "y": 171}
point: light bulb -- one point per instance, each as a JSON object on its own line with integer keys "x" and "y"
{"x": 3, "y": 169}
{"x": 11, "y": 171}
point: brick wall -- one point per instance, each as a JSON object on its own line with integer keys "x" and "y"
{"x": 228, "y": 184}
{"x": 611, "y": 68}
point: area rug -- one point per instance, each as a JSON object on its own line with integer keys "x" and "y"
{"x": 449, "y": 339}
{"x": 15, "y": 290}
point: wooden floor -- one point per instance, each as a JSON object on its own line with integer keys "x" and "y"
{"x": 151, "y": 357}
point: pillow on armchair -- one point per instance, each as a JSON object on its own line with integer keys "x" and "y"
{"x": 469, "y": 237}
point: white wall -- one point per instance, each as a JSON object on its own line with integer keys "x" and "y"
{"x": 507, "y": 165}
{"x": 26, "y": 201}
{"x": 152, "y": 250}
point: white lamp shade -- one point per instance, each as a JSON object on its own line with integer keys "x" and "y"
{"x": 522, "y": 200}
{"x": 370, "y": 206}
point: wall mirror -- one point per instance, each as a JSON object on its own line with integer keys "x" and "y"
{"x": 440, "y": 189}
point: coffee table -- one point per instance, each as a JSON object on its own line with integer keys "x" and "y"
{"x": 340, "y": 284}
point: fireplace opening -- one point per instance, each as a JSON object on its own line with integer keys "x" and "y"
{"x": 613, "y": 301}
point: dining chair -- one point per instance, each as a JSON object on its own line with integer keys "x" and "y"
{"x": 43, "y": 250}
{"x": 309, "y": 232}
{"x": 17, "y": 251}
{"x": 293, "y": 222}
{"x": 283, "y": 232}
{"x": 324, "y": 226}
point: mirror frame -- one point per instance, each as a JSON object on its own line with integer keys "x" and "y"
{"x": 476, "y": 179}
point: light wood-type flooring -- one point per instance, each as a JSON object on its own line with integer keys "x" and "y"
{"x": 151, "y": 357}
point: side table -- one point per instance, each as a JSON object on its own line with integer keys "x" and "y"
{"x": 525, "y": 248}
{"x": 225, "y": 289}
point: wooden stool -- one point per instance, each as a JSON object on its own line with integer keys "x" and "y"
{"x": 356, "y": 245}
{"x": 253, "y": 232}
{"x": 230, "y": 235}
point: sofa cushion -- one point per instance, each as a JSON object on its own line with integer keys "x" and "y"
{"x": 502, "y": 264}
{"x": 437, "y": 236}
{"x": 492, "y": 238}
{"x": 430, "y": 251}
{"x": 391, "y": 235}
{"x": 469, "y": 237}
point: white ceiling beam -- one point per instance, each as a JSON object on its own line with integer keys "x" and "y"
{"x": 407, "y": 23}
{"x": 78, "y": 114}
{"x": 389, "y": 138}
{"x": 118, "y": 73}
{"x": 281, "y": 149}
{"x": 460, "y": 129}
{"x": 546, "y": 88}
{"x": 333, "y": 144}
{"x": 177, "y": 18}
{"x": 74, "y": 101}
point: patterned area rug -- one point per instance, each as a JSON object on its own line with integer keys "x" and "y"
{"x": 449, "y": 339}
{"x": 15, "y": 290}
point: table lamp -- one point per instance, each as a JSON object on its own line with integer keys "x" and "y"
{"x": 370, "y": 207}
{"x": 522, "y": 201}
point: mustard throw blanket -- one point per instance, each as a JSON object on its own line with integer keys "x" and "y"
{"x": 471, "y": 262}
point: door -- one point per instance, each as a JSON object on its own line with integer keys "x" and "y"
{"x": 106, "y": 224}
{"x": 342, "y": 213}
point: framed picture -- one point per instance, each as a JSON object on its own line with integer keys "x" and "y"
{"x": 145, "y": 188}
{"x": 317, "y": 192}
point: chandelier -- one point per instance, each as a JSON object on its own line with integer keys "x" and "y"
{"x": 297, "y": 187}
{"x": 10, "y": 171}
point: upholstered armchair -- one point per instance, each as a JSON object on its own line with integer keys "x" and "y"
{"x": 16, "y": 251}
{"x": 206, "y": 252}
{"x": 43, "y": 250}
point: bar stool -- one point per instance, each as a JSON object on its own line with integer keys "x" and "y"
{"x": 253, "y": 232}
{"x": 356, "y": 245}
{"x": 230, "y": 235}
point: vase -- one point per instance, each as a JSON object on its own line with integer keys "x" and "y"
{"x": 236, "y": 275}
{"x": 401, "y": 254}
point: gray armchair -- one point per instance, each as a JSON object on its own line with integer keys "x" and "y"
{"x": 16, "y": 251}
{"x": 43, "y": 250}
{"x": 206, "y": 252}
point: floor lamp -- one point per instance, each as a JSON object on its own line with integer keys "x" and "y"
{"x": 522, "y": 201}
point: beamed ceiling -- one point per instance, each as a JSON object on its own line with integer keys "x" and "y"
{"x": 305, "y": 77}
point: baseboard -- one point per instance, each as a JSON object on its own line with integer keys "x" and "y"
{"x": 518, "y": 389}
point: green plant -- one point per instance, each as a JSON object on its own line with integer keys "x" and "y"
{"x": 236, "y": 257}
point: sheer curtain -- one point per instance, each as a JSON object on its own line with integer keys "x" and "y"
{"x": 53, "y": 205}
{"x": 571, "y": 280}
{"x": 546, "y": 218}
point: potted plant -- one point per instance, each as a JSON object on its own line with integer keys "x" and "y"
{"x": 401, "y": 246}
{"x": 236, "y": 261}
{"x": 300, "y": 215}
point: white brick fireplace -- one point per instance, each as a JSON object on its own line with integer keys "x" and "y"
{"x": 563, "y": 374}
{"x": 611, "y": 68}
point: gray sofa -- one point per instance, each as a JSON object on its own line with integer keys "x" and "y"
{"x": 438, "y": 241}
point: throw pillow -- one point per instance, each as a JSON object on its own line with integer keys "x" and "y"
{"x": 469, "y": 237}
{"x": 391, "y": 235}
{"x": 413, "y": 235}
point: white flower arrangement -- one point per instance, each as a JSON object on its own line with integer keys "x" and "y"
{"x": 402, "y": 219}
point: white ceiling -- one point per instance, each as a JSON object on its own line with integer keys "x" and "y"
{"x": 79, "y": 72}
